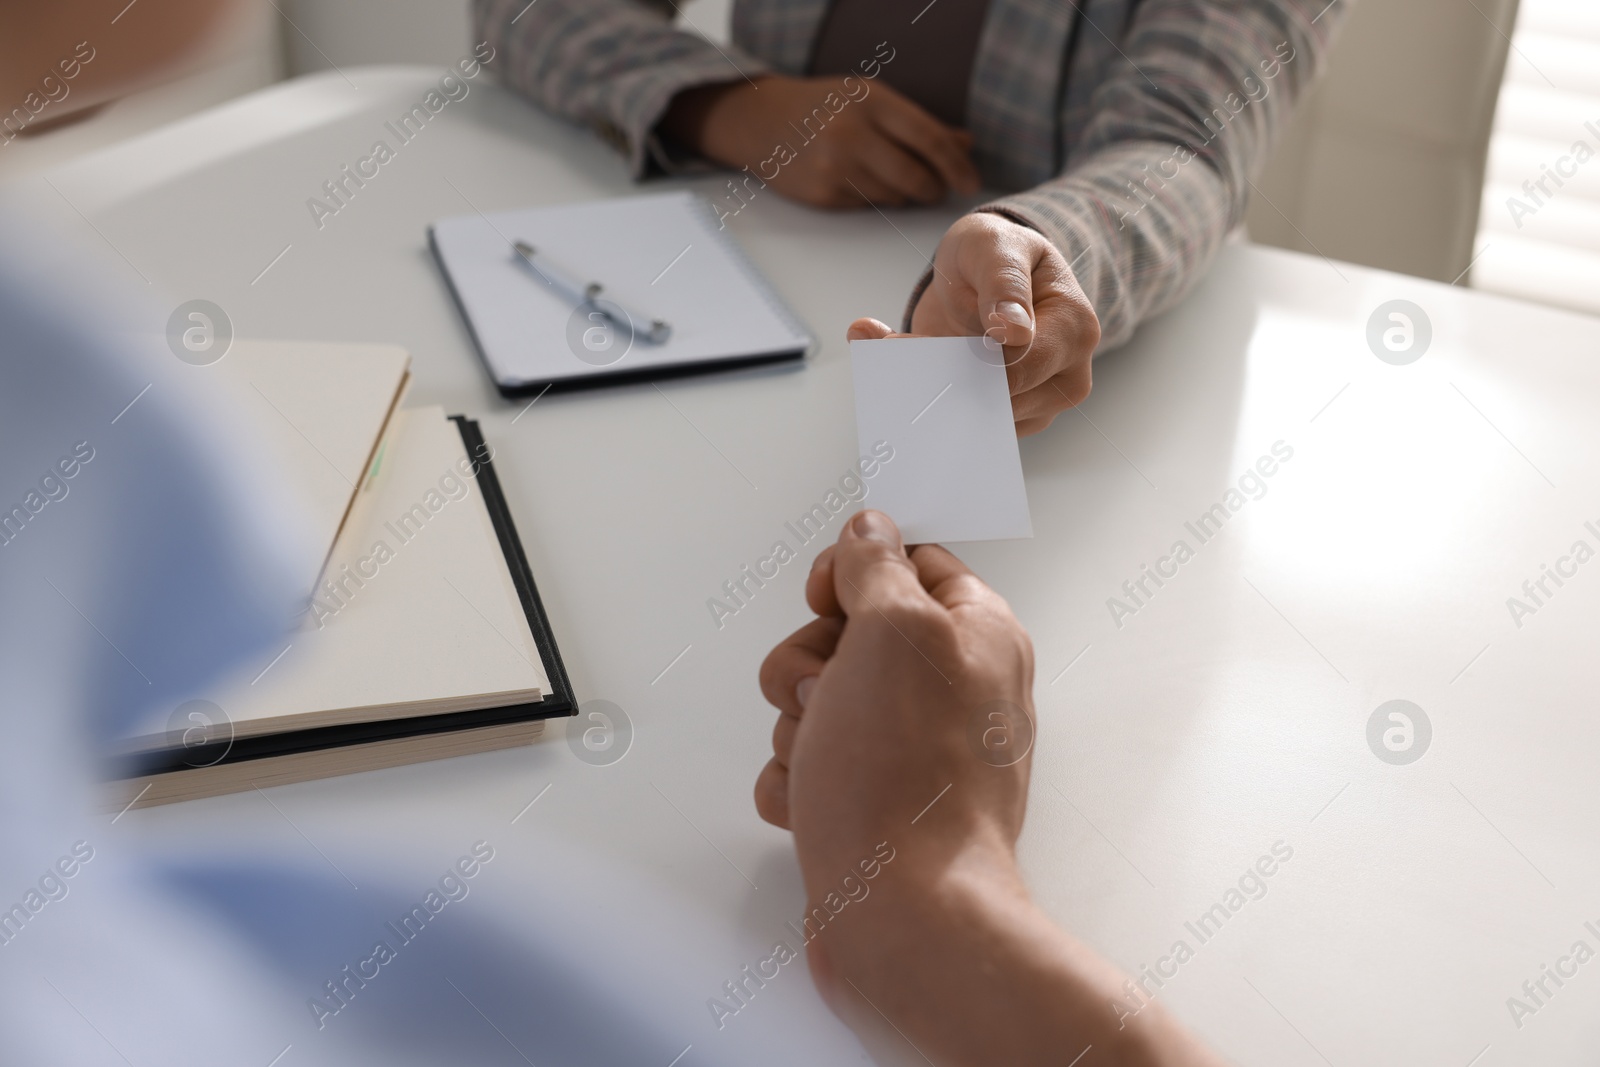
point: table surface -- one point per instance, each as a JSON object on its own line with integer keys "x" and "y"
{"x": 1178, "y": 743}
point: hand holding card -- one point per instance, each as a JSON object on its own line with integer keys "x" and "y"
{"x": 943, "y": 404}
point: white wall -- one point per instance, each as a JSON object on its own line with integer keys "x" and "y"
{"x": 1384, "y": 163}
{"x": 319, "y": 34}
{"x": 353, "y": 32}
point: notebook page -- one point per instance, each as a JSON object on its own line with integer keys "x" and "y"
{"x": 429, "y": 623}
{"x": 658, "y": 256}
{"x": 317, "y": 409}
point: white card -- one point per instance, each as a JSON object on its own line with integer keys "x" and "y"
{"x": 943, "y": 405}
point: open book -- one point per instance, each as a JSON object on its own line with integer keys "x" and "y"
{"x": 424, "y": 635}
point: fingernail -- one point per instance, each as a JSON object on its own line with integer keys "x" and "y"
{"x": 1014, "y": 312}
{"x": 802, "y": 691}
{"x": 875, "y": 526}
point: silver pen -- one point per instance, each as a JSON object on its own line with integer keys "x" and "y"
{"x": 590, "y": 293}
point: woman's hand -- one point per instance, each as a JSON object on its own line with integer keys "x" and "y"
{"x": 828, "y": 142}
{"x": 996, "y": 277}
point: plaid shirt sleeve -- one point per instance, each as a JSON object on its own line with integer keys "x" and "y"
{"x": 614, "y": 65}
{"x": 1164, "y": 169}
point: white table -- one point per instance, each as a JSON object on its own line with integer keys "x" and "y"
{"x": 1230, "y": 712}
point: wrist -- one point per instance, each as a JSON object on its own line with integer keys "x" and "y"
{"x": 997, "y": 211}
{"x": 699, "y": 119}
{"x": 917, "y": 895}
{"x": 962, "y": 961}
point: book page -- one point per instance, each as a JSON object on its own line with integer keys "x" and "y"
{"x": 318, "y": 409}
{"x": 416, "y": 613}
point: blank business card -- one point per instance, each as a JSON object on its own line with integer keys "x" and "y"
{"x": 943, "y": 405}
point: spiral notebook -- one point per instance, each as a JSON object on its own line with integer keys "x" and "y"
{"x": 662, "y": 256}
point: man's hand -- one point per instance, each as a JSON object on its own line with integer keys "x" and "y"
{"x": 875, "y": 760}
{"x": 877, "y": 697}
{"x": 999, "y": 278}
{"x": 828, "y": 142}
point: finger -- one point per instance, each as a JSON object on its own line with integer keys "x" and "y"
{"x": 1043, "y": 402}
{"x": 1047, "y": 400}
{"x": 772, "y": 794}
{"x": 865, "y": 329}
{"x": 801, "y": 655}
{"x": 863, "y": 188}
{"x": 1029, "y": 427}
{"x": 948, "y": 150}
{"x": 1066, "y": 333}
{"x": 871, "y": 571}
{"x": 783, "y": 735}
{"x": 1069, "y": 388}
{"x": 946, "y": 578}
{"x": 999, "y": 268}
{"x": 903, "y": 171}
{"x": 819, "y": 585}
